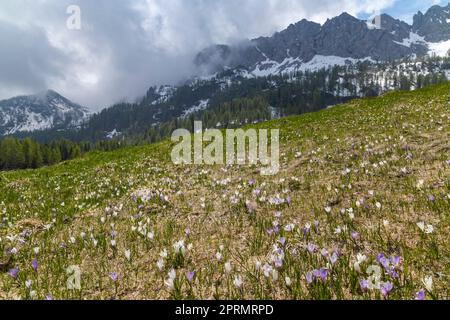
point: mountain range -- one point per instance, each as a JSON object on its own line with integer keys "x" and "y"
{"x": 307, "y": 45}
{"x": 45, "y": 110}
{"x": 252, "y": 67}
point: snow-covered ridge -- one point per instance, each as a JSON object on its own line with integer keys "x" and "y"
{"x": 42, "y": 111}
{"x": 290, "y": 65}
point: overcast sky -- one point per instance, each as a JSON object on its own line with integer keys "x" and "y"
{"x": 125, "y": 46}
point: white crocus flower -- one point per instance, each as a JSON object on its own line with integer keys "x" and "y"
{"x": 218, "y": 256}
{"x": 179, "y": 247}
{"x": 288, "y": 281}
{"x": 238, "y": 282}
{"x": 128, "y": 255}
{"x": 360, "y": 258}
{"x": 428, "y": 229}
{"x": 160, "y": 264}
{"x": 163, "y": 254}
{"x": 228, "y": 267}
{"x": 428, "y": 283}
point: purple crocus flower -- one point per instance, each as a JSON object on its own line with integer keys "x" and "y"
{"x": 316, "y": 274}
{"x": 282, "y": 240}
{"x": 420, "y": 295}
{"x": 364, "y": 284}
{"x": 305, "y": 231}
{"x": 311, "y": 248}
{"x": 355, "y": 235}
{"x": 251, "y": 182}
{"x": 13, "y": 273}
{"x": 114, "y": 277}
{"x": 379, "y": 257}
{"x": 316, "y": 226}
{"x": 278, "y": 263}
{"x": 393, "y": 273}
{"x": 48, "y": 297}
{"x": 431, "y": 198}
{"x": 334, "y": 258}
{"x": 190, "y": 276}
{"x": 269, "y": 232}
{"x": 323, "y": 273}
{"x": 386, "y": 289}
{"x": 309, "y": 277}
{"x": 289, "y": 200}
{"x": 34, "y": 264}
{"x": 448, "y": 162}
{"x": 384, "y": 262}
{"x": 395, "y": 260}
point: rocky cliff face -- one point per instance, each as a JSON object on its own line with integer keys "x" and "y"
{"x": 344, "y": 37}
{"x": 434, "y": 25}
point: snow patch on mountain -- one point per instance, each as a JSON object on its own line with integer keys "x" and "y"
{"x": 289, "y": 65}
{"x": 202, "y": 105}
{"x": 440, "y": 49}
{"x": 164, "y": 93}
{"x": 414, "y": 38}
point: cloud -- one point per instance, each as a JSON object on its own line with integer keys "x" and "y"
{"x": 125, "y": 46}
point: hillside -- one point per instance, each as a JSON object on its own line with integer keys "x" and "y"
{"x": 361, "y": 184}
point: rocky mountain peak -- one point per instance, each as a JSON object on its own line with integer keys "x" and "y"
{"x": 434, "y": 25}
{"x": 44, "y": 110}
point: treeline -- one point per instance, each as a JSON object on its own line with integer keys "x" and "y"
{"x": 226, "y": 115}
{"x": 29, "y": 154}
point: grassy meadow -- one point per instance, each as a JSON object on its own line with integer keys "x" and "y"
{"x": 359, "y": 210}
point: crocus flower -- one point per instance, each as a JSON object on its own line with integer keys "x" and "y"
{"x": 386, "y": 288}
{"x": 238, "y": 282}
{"x": 311, "y": 248}
{"x": 316, "y": 226}
{"x": 28, "y": 284}
{"x": 384, "y": 262}
{"x": 355, "y": 235}
{"x": 190, "y": 276}
{"x": 13, "y": 273}
{"x": 114, "y": 277}
{"x": 288, "y": 281}
{"x": 323, "y": 273}
{"x": 379, "y": 257}
{"x": 334, "y": 258}
{"x": 278, "y": 263}
{"x": 395, "y": 260}
{"x": 420, "y": 295}
{"x": 428, "y": 282}
{"x": 309, "y": 277}
{"x": 364, "y": 285}
{"x": 48, "y": 297}
{"x": 228, "y": 267}
{"x": 34, "y": 264}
